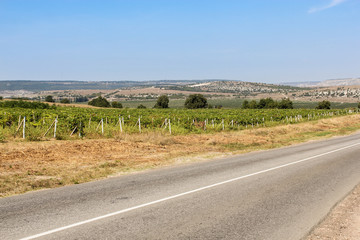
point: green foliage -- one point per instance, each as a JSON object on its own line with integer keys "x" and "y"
{"x": 196, "y": 101}
{"x": 87, "y": 121}
{"x": 65, "y": 101}
{"x": 245, "y": 104}
{"x": 324, "y": 105}
{"x": 33, "y": 134}
{"x": 268, "y": 103}
{"x": 1, "y": 98}
{"x": 285, "y": 103}
{"x": 141, "y": 106}
{"x": 81, "y": 99}
{"x": 116, "y": 105}
{"x": 253, "y": 104}
{"x": 25, "y": 104}
{"x": 2, "y": 137}
{"x": 99, "y": 102}
{"x": 162, "y": 102}
{"x": 49, "y": 98}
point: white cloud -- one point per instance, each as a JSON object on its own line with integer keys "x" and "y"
{"x": 333, "y": 3}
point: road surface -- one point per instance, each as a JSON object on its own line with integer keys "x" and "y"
{"x": 276, "y": 194}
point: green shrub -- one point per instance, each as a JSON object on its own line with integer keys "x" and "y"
{"x": 116, "y": 105}
{"x": 268, "y": 103}
{"x": 25, "y": 104}
{"x": 65, "y": 101}
{"x": 99, "y": 102}
{"x": 324, "y": 105}
{"x": 162, "y": 102}
{"x": 196, "y": 101}
{"x": 141, "y": 106}
{"x": 49, "y": 98}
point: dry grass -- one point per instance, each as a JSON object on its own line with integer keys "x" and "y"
{"x": 26, "y": 166}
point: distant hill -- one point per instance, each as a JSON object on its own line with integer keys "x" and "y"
{"x": 339, "y": 82}
{"x": 22, "y": 88}
{"x": 51, "y": 85}
{"x": 301, "y": 84}
{"x": 238, "y": 87}
{"x": 327, "y": 83}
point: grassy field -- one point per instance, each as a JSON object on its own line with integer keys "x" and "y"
{"x": 27, "y": 166}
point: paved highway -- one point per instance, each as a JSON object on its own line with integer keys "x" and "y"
{"x": 276, "y": 194}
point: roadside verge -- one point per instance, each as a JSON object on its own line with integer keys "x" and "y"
{"x": 27, "y": 166}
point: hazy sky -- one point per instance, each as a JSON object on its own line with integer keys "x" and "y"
{"x": 252, "y": 40}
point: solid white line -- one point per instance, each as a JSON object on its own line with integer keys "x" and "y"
{"x": 181, "y": 194}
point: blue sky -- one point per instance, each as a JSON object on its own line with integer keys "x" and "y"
{"x": 251, "y": 40}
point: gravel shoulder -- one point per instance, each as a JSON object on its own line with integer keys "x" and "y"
{"x": 343, "y": 222}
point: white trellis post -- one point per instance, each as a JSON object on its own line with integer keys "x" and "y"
{"x": 139, "y": 125}
{"x": 19, "y": 120}
{"x": 80, "y": 130}
{"x": 73, "y": 131}
{"x": 24, "y": 127}
{"x": 223, "y": 126}
{"x": 49, "y": 128}
{"x": 169, "y": 126}
{"x": 120, "y": 124}
{"x": 102, "y": 126}
{"x": 56, "y": 121}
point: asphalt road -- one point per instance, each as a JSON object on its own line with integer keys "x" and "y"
{"x": 276, "y": 194}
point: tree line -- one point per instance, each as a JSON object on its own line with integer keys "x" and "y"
{"x": 268, "y": 103}
{"x": 25, "y": 104}
{"x": 193, "y": 101}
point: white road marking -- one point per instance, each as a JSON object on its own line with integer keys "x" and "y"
{"x": 181, "y": 194}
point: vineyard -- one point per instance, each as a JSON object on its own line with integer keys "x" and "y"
{"x": 71, "y": 122}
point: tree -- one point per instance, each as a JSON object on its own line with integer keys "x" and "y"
{"x": 196, "y": 101}
{"x": 99, "y": 102}
{"x": 285, "y": 103}
{"x": 162, "y": 102}
{"x": 49, "y": 98}
{"x": 81, "y": 99}
{"x": 141, "y": 106}
{"x": 65, "y": 100}
{"x": 267, "y": 103}
{"x": 324, "y": 105}
{"x": 1, "y": 98}
{"x": 245, "y": 104}
{"x": 359, "y": 105}
{"x": 253, "y": 104}
{"x": 116, "y": 105}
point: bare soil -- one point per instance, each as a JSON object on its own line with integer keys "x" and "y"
{"x": 343, "y": 222}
